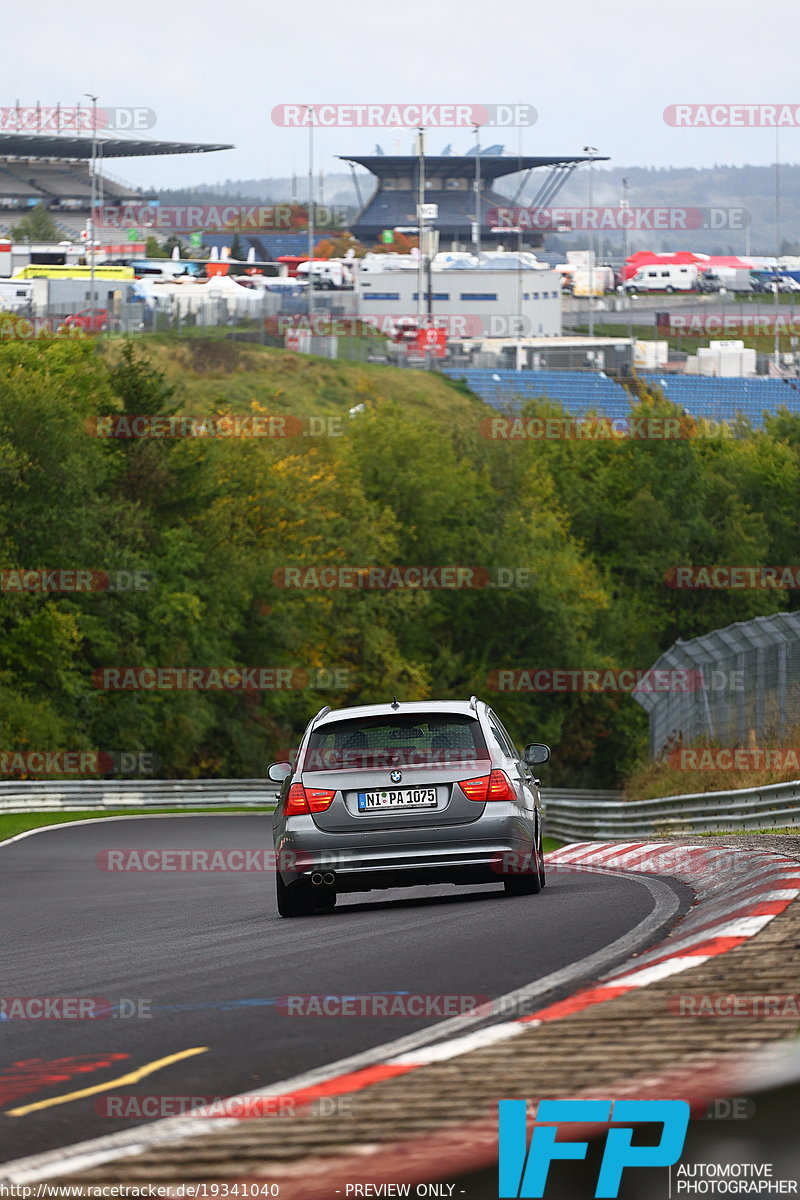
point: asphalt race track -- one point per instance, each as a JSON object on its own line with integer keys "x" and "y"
{"x": 207, "y": 956}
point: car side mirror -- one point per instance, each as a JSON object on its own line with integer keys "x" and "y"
{"x": 536, "y": 754}
{"x": 278, "y": 771}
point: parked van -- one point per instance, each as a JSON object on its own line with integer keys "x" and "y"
{"x": 677, "y": 277}
{"x": 15, "y": 295}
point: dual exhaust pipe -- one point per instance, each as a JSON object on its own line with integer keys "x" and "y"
{"x": 323, "y": 878}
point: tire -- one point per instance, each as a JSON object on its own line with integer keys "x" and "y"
{"x": 294, "y": 899}
{"x": 528, "y": 884}
{"x": 669, "y": 290}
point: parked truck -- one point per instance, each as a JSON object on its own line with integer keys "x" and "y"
{"x": 595, "y": 282}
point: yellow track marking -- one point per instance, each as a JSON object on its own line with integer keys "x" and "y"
{"x": 122, "y": 1081}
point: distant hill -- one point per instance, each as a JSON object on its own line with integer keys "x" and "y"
{"x": 748, "y": 188}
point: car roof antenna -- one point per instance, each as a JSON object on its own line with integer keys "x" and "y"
{"x": 395, "y": 703}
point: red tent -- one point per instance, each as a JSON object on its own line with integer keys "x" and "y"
{"x": 644, "y": 258}
{"x": 729, "y": 260}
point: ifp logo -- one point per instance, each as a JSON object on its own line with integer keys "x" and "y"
{"x": 523, "y": 1170}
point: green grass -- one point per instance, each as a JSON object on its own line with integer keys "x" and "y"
{"x": 209, "y": 372}
{"x": 763, "y": 343}
{"x": 549, "y": 844}
{"x": 13, "y": 823}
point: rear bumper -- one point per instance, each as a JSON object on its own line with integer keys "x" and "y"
{"x": 458, "y": 854}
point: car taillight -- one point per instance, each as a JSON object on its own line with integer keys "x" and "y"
{"x": 475, "y": 789}
{"x": 296, "y": 804}
{"x": 319, "y": 798}
{"x": 301, "y": 800}
{"x": 500, "y": 787}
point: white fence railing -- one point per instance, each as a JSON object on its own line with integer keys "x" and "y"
{"x": 586, "y": 816}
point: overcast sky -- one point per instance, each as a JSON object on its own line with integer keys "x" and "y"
{"x": 598, "y": 72}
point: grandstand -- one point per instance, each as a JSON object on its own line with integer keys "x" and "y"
{"x": 449, "y": 181}
{"x": 268, "y": 246}
{"x": 579, "y": 392}
{"x": 54, "y": 170}
{"x": 724, "y": 399}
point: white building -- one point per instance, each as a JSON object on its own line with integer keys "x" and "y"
{"x": 498, "y": 295}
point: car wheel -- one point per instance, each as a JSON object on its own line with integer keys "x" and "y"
{"x": 294, "y": 899}
{"x": 527, "y": 883}
{"x": 670, "y": 290}
{"x": 540, "y": 858}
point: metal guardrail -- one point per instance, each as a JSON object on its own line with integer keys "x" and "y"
{"x": 587, "y": 815}
{"x": 82, "y": 795}
{"x": 570, "y": 814}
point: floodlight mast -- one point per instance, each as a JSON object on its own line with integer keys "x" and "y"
{"x": 592, "y": 151}
{"x": 310, "y": 285}
{"x": 421, "y": 229}
{"x": 93, "y": 197}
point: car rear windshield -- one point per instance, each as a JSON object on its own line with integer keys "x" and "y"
{"x": 385, "y": 742}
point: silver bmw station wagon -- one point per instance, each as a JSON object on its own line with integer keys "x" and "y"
{"x": 403, "y": 794}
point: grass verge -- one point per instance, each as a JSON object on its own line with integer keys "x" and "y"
{"x": 13, "y": 823}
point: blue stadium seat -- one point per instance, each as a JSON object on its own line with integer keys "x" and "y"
{"x": 725, "y": 399}
{"x": 579, "y": 391}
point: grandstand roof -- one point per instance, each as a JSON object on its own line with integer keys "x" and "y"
{"x": 42, "y": 145}
{"x": 492, "y": 165}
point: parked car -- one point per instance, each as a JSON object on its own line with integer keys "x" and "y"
{"x": 399, "y": 795}
{"x": 707, "y": 281}
{"x": 764, "y": 282}
{"x": 90, "y": 320}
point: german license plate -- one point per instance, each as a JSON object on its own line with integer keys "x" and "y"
{"x": 398, "y": 798}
